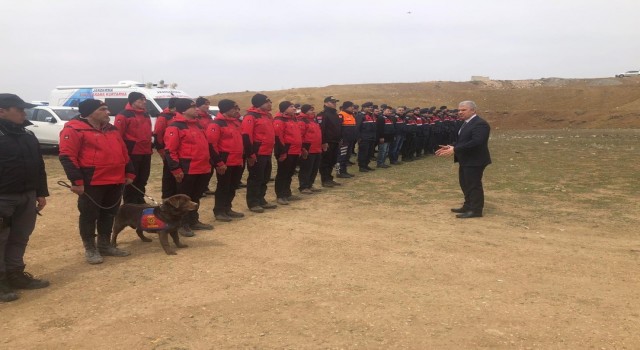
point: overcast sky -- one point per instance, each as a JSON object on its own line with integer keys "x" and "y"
{"x": 210, "y": 46}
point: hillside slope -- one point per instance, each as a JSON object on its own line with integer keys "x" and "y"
{"x": 548, "y": 103}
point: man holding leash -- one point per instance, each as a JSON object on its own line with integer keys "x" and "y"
{"x": 97, "y": 163}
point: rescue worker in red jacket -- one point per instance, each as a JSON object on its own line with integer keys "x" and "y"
{"x": 288, "y": 149}
{"x": 204, "y": 118}
{"x": 169, "y": 187}
{"x": 258, "y": 139}
{"x": 134, "y": 124}
{"x": 97, "y": 163}
{"x": 189, "y": 157}
{"x": 225, "y": 135}
{"x": 312, "y": 143}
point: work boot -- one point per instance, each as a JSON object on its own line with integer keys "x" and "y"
{"x": 234, "y": 214}
{"x": 293, "y": 198}
{"x": 24, "y": 280}
{"x": 200, "y": 226}
{"x": 306, "y": 191}
{"x": 327, "y": 184}
{"x": 106, "y": 249}
{"x": 313, "y": 189}
{"x": 113, "y": 251}
{"x": 93, "y": 257}
{"x": 282, "y": 201}
{"x": 91, "y": 254}
{"x": 267, "y": 205}
{"x": 257, "y": 209}
{"x": 185, "y": 231}
{"x": 343, "y": 176}
{"x": 6, "y": 293}
{"x": 222, "y": 217}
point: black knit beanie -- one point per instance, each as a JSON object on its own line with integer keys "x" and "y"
{"x": 182, "y": 104}
{"x": 258, "y": 100}
{"x": 284, "y": 105}
{"x": 89, "y": 106}
{"x": 226, "y": 105}
{"x": 172, "y": 102}
{"x": 306, "y": 108}
{"x": 200, "y": 101}
{"x": 135, "y": 96}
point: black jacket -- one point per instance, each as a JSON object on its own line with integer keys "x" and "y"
{"x": 386, "y": 128}
{"x": 367, "y": 128}
{"x": 21, "y": 163}
{"x": 472, "y": 148}
{"x": 331, "y": 125}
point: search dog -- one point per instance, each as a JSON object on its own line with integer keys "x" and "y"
{"x": 164, "y": 219}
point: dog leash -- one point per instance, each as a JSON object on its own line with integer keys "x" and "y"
{"x": 144, "y": 194}
{"x": 64, "y": 184}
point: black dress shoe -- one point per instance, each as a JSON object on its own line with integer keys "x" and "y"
{"x": 459, "y": 210}
{"x": 469, "y": 214}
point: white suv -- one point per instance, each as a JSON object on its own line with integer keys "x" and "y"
{"x": 48, "y": 121}
{"x": 629, "y": 73}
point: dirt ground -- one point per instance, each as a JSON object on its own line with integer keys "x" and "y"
{"x": 378, "y": 263}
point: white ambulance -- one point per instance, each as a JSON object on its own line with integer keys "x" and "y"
{"x": 115, "y": 96}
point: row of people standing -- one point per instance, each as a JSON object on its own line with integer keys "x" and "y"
{"x": 108, "y": 162}
{"x": 395, "y": 133}
{"x": 193, "y": 144}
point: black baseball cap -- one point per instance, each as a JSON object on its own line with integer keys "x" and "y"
{"x": 330, "y": 99}
{"x": 11, "y": 100}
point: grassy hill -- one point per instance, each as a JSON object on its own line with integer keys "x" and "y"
{"x": 548, "y": 103}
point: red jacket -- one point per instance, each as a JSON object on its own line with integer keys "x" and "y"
{"x": 288, "y": 137}
{"x": 204, "y": 119}
{"x": 258, "y": 135}
{"x": 135, "y": 128}
{"x": 162, "y": 121}
{"x": 93, "y": 157}
{"x": 225, "y": 135}
{"x": 311, "y": 133}
{"x": 187, "y": 149}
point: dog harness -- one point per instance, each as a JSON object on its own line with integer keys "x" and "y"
{"x": 151, "y": 223}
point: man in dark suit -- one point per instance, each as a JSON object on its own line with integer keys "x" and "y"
{"x": 471, "y": 151}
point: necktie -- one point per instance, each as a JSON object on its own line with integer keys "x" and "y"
{"x": 462, "y": 126}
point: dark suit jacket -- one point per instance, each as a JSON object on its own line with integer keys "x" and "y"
{"x": 472, "y": 148}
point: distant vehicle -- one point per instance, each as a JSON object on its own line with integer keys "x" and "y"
{"x": 48, "y": 121}
{"x": 115, "y": 95}
{"x": 629, "y": 73}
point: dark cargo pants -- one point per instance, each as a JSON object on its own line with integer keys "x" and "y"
{"x": 18, "y": 213}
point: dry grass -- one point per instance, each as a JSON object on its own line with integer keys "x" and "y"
{"x": 378, "y": 263}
